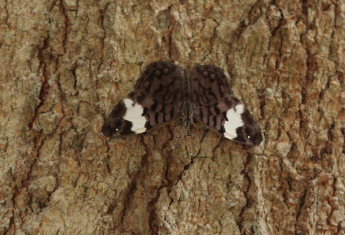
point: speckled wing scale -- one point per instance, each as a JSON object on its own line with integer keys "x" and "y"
{"x": 156, "y": 99}
{"x": 165, "y": 91}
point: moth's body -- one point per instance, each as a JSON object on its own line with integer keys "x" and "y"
{"x": 165, "y": 92}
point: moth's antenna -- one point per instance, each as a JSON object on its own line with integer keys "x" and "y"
{"x": 177, "y": 137}
{"x": 189, "y": 145}
{"x": 188, "y": 113}
{"x": 174, "y": 140}
{"x": 185, "y": 131}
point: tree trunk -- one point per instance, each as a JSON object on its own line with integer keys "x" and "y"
{"x": 65, "y": 64}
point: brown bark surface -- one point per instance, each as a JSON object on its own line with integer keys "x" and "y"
{"x": 65, "y": 63}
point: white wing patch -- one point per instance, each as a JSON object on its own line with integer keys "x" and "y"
{"x": 234, "y": 121}
{"x": 134, "y": 114}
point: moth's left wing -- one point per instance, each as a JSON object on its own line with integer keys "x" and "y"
{"x": 214, "y": 104}
{"x": 155, "y": 100}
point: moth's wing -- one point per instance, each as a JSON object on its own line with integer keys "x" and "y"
{"x": 160, "y": 90}
{"x": 214, "y": 104}
{"x": 155, "y": 100}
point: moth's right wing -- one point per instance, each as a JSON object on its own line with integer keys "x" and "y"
{"x": 155, "y": 100}
{"x": 215, "y": 105}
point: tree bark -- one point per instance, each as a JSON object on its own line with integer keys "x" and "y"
{"x": 64, "y": 64}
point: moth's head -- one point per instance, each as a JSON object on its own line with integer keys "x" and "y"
{"x": 115, "y": 125}
{"x": 250, "y": 133}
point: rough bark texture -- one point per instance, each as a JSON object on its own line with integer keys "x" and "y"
{"x": 65, "y": 63}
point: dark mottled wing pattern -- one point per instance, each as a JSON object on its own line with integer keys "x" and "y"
{"x": 165, "y": 91}
{"x": 214, "y": 104}
{"x": 156, "y": 99}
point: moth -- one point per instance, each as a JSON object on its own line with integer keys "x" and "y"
{"x": 166, "y": 91}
